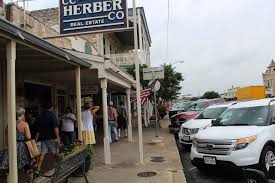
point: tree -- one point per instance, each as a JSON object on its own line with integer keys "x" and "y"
{"x": 170, "y": 85}
{"x": 210, "y": 95}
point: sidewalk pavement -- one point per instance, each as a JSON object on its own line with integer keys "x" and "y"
{"x": 125, "y": 158}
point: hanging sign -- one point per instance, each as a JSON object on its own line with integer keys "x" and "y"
{"x": 85, "y": 16}
{"x": 87, "y": 90}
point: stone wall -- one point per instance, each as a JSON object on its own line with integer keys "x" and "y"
{"x": 51, "y": 17}
{"x": 35, "y": 26}
{"x": 2, "y": 10}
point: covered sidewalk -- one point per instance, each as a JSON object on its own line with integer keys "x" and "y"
{"x": 28, "y": 60}
{"x": 110, "y": 78}
{"x": 22, "y": 53}
{"x": 124, "y": 168}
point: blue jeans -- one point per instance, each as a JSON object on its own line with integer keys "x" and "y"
{"x": 112, "y": 128}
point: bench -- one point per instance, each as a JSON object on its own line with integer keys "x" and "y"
{"x": 65, "y": 168}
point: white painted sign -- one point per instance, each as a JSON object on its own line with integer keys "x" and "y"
{"x": 153, "y": 73}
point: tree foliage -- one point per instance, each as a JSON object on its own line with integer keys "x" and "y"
{"x": 210, "y": 95}
{"x": 170, "y": 85}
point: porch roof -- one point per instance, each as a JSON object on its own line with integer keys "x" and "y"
{"x": 33, "y": 47}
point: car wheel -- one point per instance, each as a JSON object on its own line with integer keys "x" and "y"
{"x": 267, "y": 155}
{"x": 254, "y": 176}
{"x": 202, "y": 168}
{"x": 186, "y": 146}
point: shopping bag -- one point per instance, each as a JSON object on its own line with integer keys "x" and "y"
{"x": 33, "y": 149}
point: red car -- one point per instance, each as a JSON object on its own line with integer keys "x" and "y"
{"x": 191, "y": 112}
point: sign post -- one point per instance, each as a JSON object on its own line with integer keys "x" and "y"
{"x": 140, "y": 137}
{"x": 154, "y": 73}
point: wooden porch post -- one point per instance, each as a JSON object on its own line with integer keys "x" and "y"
{"x": 11, "y": 110}
{"x": 107, "y": 151}
{"x": 78, "y": 103}
{"x": 130, "y": 130}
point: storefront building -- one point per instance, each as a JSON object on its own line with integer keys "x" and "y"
{"x": 24, "y": 56}
{"x": 41, "y": 72}
{"x": 269, "y": 79}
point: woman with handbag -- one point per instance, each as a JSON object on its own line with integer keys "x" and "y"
{"x": 23, "y": 157}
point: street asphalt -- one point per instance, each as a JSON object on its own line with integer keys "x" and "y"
{"x": 193, "y": 175}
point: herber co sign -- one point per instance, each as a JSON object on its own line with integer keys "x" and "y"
{"x": 83, "y": 16}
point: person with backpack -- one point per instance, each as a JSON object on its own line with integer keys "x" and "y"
{"x": 122, "y": 119}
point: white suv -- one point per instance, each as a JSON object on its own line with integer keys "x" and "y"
{"x": 189, "y": 129}
{"x": 243, "y": 136}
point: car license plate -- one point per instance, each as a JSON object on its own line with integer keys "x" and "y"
{"x": 186, "y": 138}
{"x": 209, "y": 160}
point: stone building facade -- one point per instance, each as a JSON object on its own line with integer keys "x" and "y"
{"x": 117, "y": 46}
{"x": 269, "y": 79}
{"x": 48, "y": 30}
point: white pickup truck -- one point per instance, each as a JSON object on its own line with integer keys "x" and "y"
{"x": 243, "y": 136}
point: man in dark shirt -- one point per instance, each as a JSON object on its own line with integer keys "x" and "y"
{"x": 48, "y": 133}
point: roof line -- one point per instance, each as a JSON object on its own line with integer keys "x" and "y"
{"x": 25, "y": 36}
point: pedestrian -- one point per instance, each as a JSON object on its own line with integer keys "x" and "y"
{"x": 67, "y": 127}
{"x": 112, "y": 121}
{"x": 122, "y": 119}
{"x": 23, "y": 134}
{"x": 88, "y": 126}
{"x": 48, "y": 133}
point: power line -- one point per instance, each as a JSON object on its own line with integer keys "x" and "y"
{"x": 167, "y": 30}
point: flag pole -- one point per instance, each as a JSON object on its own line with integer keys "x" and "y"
{"x": 140, "y": 137}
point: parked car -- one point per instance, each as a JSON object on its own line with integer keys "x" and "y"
{"x": 178, "y": 108}
{"x": 191, "y": 112}
{"x": 189, "y": 129}
{"x": 243, "y": 136}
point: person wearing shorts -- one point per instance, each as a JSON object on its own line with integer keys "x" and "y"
{"x": 48, "y": 133}
{"x": 122, "y": 119}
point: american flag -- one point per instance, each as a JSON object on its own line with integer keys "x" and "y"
{"x": 144, "y": 96}
{"x": 146, "y": 93}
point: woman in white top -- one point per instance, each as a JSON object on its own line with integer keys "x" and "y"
{"x": 88, "y": 127}
{"x": 67, "y": 128}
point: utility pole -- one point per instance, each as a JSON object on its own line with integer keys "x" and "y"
{"x": 24, "y": 9}
{"x": 140, "y": 137}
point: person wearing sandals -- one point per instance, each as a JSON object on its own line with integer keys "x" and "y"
{"x": 24, "y": 161}
{"x": 88, "y": 126}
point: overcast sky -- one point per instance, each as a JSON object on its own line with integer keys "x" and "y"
{"x": 223, "y": 42}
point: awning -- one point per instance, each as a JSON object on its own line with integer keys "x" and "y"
{"x": 29, "y": 43}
